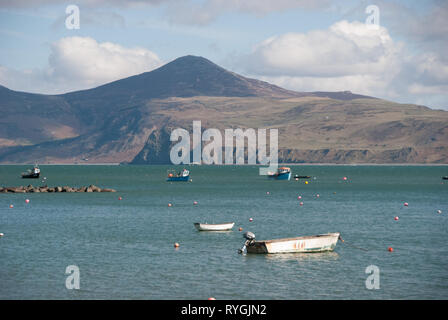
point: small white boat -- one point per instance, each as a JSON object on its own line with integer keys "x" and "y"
{"x": 317, "y": 243}
{"x": 214, "y": 227}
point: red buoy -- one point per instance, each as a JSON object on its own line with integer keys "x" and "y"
{"x": 299, "y": 197}
{"x": 11, "y": 206}
{"x": 169, "y": 205}
{"x": 317, "y": 195}
{"x": 250, "y": 219}
{"x": 195, "y": 202}
{"x": 406, "y": 204}
{"x": 120, "y": 198}
{"x": 27, "y": 200}
{"x": 301, "y": 203}
{"x": 390, "y": 249}
{"x": 211, "y": 298}
{"x": 345, "y": 178}
{"x": 396, "y": 218}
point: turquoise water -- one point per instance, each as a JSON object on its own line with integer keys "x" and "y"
{"x": 124, "y": 249}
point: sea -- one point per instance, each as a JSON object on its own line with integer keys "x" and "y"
{"x": 96, "y": 246}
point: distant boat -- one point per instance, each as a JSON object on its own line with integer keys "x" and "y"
{"x": 296, "y": 176}
{"x": 214, "y": 227}
{"x": 31, "y": 173}
{"x": 184, "y": 175}
{"x": 283, "y": 173}
{"x": 317, "y": 243}
{"x": 445, "y": 178}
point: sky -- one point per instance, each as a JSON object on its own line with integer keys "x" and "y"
{"x": 394, "y": 50}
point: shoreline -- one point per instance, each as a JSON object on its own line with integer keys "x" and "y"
{"x": 258, "y": 165}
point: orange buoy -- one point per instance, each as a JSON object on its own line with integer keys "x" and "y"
{"x": 11, "y": 206}
{"x": 406, "y": 204}
{"x": 390, "y": 249}
{"x": 396, "y": 218}
{"x": 240, "y": 229}
{"x": 176, "y": 245}
{"x": 250, "y": 219}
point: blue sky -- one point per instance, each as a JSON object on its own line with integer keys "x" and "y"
{"x": 320, "y": 45}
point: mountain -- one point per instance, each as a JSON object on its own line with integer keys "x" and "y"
{"x": 130, "y": 120}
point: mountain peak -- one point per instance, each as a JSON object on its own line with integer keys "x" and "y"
{"x": 190, "y": 76}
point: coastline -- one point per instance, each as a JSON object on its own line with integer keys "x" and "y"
{"x": 260, "y": 165}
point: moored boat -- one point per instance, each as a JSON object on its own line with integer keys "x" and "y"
{"x": 316, "y": 243}
{"x": 32, "y": 173}
{"x": 283, "y": 173}
{"x": 184, "y": 175}
{"x": 445, "y": 178}
{"x": 296, "y": 176}
{"x": 214, "y": 227}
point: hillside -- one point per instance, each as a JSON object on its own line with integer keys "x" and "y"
{"x": 130, "y": 120}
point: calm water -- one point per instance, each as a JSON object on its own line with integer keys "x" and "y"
{"x": 124, "y": 249}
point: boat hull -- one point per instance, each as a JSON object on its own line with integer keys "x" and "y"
{"x": 318, "y": 243}
{"x": 186, "y": 178}
{"x": 281, "y": 176}
{"x": 31, "y": 176}
{"x": 214, "y": 227}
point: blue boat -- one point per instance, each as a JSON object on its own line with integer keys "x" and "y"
{"x": 184, "y": 175}
{"x": 283, "y": 173}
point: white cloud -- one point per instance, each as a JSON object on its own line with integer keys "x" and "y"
{"x": 350, "y": 56}
{"x": 344, "y": 49}
{"x": 79, "y": 63}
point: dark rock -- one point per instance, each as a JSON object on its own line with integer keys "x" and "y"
{"x": 45, "y": 189}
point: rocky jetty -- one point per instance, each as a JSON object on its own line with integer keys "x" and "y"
{"x": 46, "y": 189}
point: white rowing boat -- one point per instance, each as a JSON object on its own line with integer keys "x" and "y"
{"x": 214, "y": 227}
{"x": 317, "y": 243}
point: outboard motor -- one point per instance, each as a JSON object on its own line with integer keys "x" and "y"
{"x": 250, "y": 238}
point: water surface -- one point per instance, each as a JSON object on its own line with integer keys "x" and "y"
{"x": 124, "y": 249}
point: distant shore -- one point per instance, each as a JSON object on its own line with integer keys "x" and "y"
{"x": 260, "y": 165}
